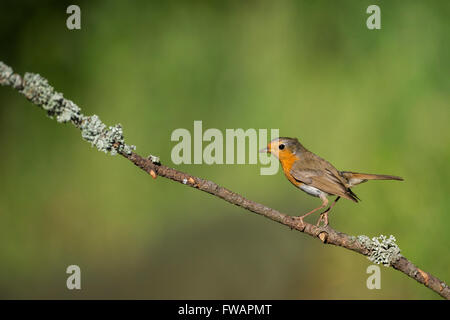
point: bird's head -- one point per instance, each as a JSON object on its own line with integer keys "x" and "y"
{"x": 283, "y": 148}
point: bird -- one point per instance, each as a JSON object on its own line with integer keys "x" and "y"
{"x": 316, "y": 176}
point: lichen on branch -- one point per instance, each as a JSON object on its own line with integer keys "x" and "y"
{"x": 37, "y": 89}
{"x": 382, "y": 250}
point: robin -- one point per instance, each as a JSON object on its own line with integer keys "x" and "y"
{"x": 316, "y": 176}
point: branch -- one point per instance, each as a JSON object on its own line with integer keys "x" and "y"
{"x": 110, "y": 139}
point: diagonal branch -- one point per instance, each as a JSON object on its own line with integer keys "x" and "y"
{"x": 110, "y": 139}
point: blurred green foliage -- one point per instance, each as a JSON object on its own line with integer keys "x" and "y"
{"x": 370, "y": 101}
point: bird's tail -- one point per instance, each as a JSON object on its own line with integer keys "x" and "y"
{"x": 355, "y": 178}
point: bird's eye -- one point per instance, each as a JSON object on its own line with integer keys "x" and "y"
{"x": 281, "y": 146}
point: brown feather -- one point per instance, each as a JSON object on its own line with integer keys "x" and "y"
{"x": 355, "y": 178}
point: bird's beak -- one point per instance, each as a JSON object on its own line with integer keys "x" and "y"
{"x": 264, "y": 150}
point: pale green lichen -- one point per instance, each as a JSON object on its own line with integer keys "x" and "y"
{"x": 154, "y": 159}
{"x": 37, "y": 90}
{"x": 382, "y": 250}
{"x": 104, "y": 139}
{"x": 8, "y": 77}
{"x": 5, "y": 74}
{"x": 70, "y": 112}
{"x": 40, "y": 92}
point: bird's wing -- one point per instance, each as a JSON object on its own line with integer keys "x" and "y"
{"x": 321, "y": 178}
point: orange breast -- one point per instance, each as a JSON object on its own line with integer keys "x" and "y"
{"x": 287, "y": 159}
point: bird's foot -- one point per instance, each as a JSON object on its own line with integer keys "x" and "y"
{"x": 299, "y": 221}
{"x": 324, "y": 217}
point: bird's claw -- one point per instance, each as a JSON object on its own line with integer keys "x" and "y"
{"x": 300, "y": 221}
{"x": 324, "y": 217}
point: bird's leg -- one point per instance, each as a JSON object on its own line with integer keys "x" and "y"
{"x": 324, "y": 215}
{"x": 324, "y": 204}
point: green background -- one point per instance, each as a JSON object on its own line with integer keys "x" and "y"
{"x": 366, "y": 100}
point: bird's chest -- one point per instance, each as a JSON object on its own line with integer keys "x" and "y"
{"x": 287, "y": 163}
